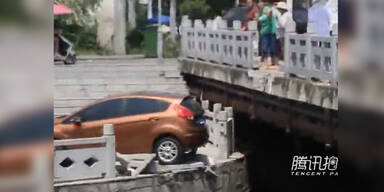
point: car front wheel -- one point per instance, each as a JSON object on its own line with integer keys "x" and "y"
{"x": 168, "y": 150}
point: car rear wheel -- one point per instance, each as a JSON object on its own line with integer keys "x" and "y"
{"x": 168, "y": 150}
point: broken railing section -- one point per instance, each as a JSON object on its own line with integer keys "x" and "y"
{"x": 133, "y": 164}
{"x": 220, "y": 124}
{"x": 311, "y": 56}
{"x": 88, "y": 162}
{"x": 222, "y": 45}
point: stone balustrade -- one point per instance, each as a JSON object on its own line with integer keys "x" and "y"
{"x": 306, "y": 55}
{"x": 73, "y": 162}
{"x": 228, "y": 46}
{"x": 311, "y": 56}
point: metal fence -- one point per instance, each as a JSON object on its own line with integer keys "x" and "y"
{"x": 311, "y": 56}
{"x": 223, "y": 45}
{"x": 76, "y": 163}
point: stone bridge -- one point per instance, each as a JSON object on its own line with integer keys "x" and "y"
{"x": 222, "y": 65}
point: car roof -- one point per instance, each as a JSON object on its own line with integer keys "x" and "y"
{"x": 175, "y": 98}
{"x": 167, "y": 96}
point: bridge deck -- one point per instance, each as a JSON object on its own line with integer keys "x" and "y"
{"x": 270, "y": 81}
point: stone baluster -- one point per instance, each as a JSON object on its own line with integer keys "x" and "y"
{"x": 109, "y": 135}
{"x": 222, "y": 139}
{"x": 231, "y": 129}
{"x": 216, "y": 110}
{"x": 237, "y": 25}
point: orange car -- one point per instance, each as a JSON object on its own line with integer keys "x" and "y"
{"x": 167, "y": 125}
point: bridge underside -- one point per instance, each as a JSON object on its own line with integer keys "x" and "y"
{"x": 294, "y": 105}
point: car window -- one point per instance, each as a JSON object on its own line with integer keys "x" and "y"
{"x": 106, "y": 110}
{"x": 191, "y": 104}
{"x": 137, "y": 106}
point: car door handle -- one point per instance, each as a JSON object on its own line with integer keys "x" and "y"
{"x": 154, "y": 119}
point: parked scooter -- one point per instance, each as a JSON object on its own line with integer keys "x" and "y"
{"x": 65, "y": 51}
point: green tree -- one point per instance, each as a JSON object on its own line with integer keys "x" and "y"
{"x": 218, "y": 8}
{"x": 83, "y": 11}
{"x": 196, "y": 9}
{"x": 80, "y": 27}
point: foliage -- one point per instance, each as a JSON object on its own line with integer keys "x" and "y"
{"x": 83, "y": 38}
{"x": 12, "y": 11}
{"x": 83, "y": 11}
{"x": 171, "y": 48}
{"x": 218, "y": 8}
{"x": 196, "y": 9}
{"x": 80, "y": 27}
{"x": 141, "y": 15}
{"x": 134, "y": 40}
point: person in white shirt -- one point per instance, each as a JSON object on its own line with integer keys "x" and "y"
{"x": 332, "y": 7}
{"x": 319, "y": 18}
{"x": 286, "y": 24}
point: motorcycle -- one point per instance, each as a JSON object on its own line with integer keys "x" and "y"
{"x": 66, "y": 52}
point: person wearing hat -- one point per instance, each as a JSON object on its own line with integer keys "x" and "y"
{"x": 286, "y": 24}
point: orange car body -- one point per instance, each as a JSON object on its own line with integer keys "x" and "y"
{"x": 137, "y": 133}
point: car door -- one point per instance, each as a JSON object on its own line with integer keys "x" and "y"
{"x": 117, "y": 115}
{"x": 92, "y": 119}
{"x": 142, "y": 114}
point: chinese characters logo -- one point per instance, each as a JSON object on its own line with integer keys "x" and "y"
{"x": 314, "y": 166}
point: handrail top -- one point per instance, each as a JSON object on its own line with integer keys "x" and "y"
{"x": 80, "y": 141}
{"x": 222, "y": 24}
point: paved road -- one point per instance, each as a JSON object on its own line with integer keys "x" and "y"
{"x": 88, "y": 80}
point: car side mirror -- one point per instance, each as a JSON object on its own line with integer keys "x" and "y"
{"x": 76, "y": 120}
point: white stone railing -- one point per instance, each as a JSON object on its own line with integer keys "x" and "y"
{"x": 222, "y": 45}
{"x": 220, "y": 124}
{"x": 311, "y": 56}
{"x": 306, "y": 55}
{"x": 77, "y": 163}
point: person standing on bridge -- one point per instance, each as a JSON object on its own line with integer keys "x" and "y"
{"x": 286, "y": 25}
{"x": 252, "y": 14}
{"x": 268, "y": 20}
{"x": 319, "y": 18}
{"x": 260, "y": 6}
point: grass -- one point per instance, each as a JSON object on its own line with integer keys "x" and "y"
{"x": 82, "y": 51}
